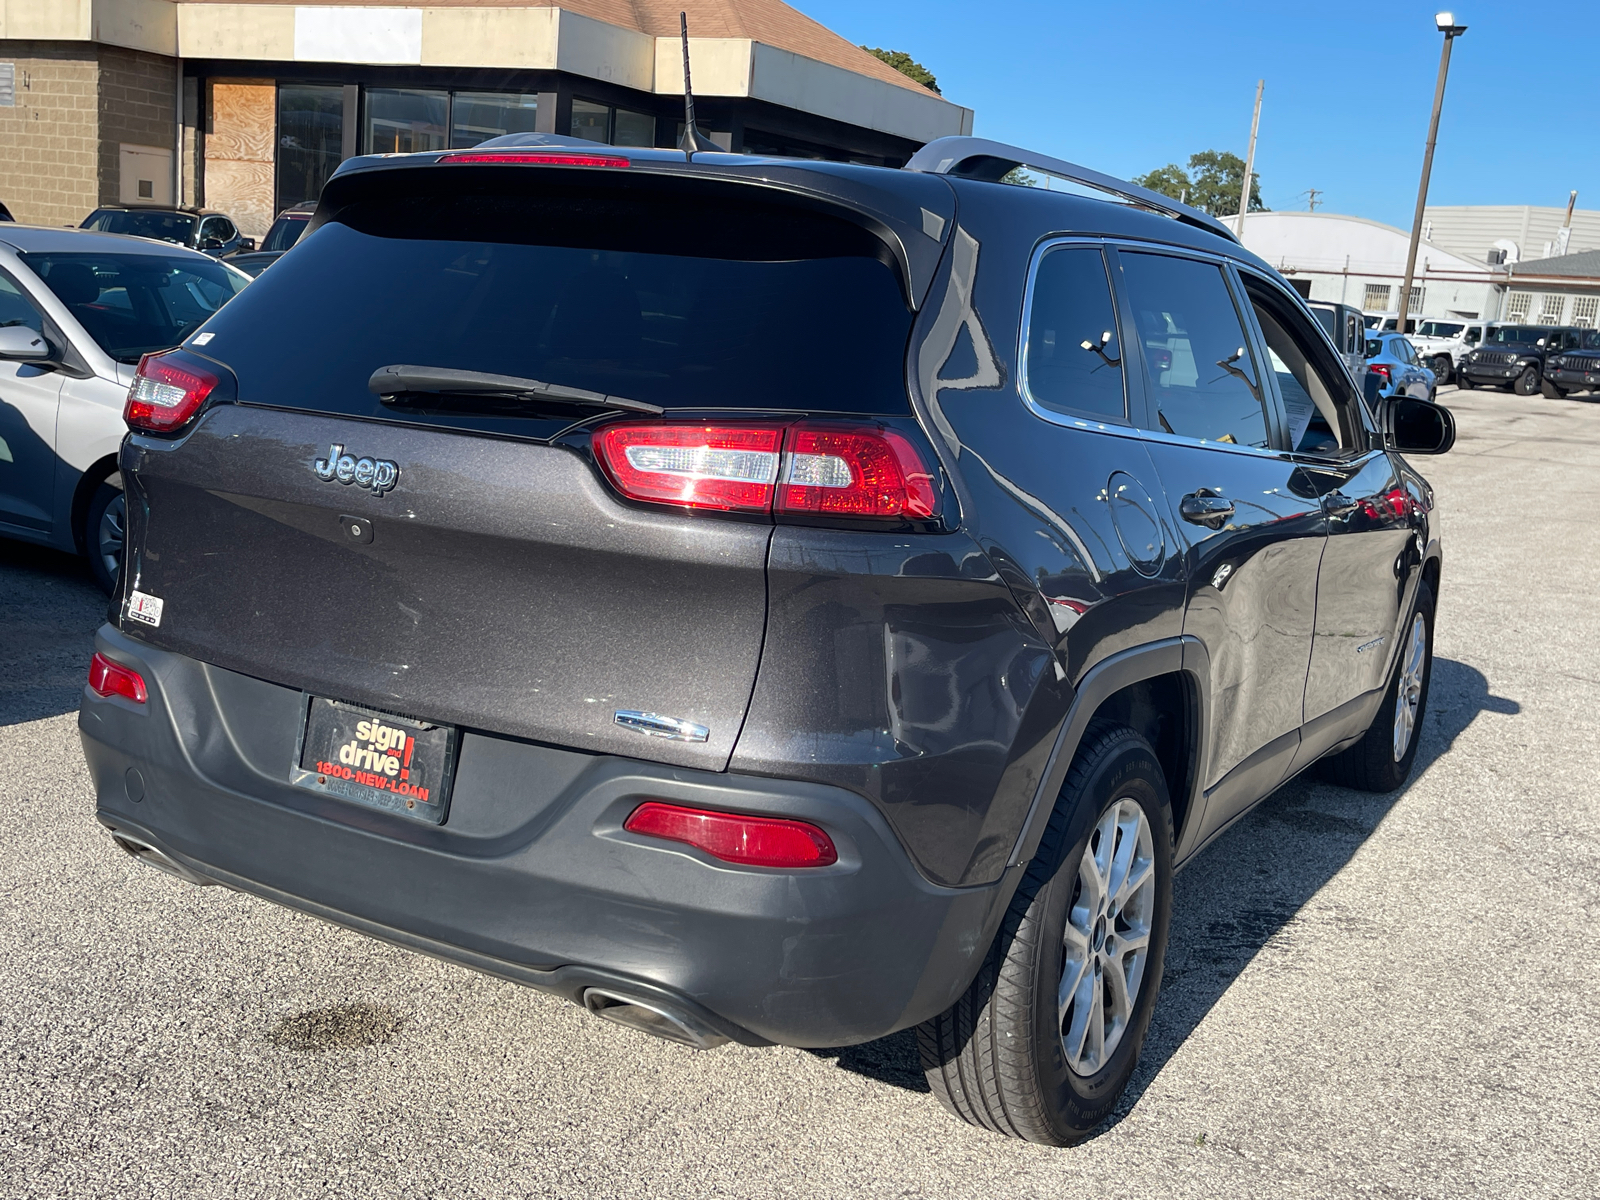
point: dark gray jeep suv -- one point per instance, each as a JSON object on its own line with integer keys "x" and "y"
{"x": 760, "y": 600}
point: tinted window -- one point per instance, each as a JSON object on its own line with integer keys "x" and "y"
{"x": 1074, "y": 358}
{"x": 402, "y": 121}
{"x": 164, "y": 226}
{"x": 134, "y": 304}
{"x": 1317, "y": 400}
{"x": 1444, "y": 329}
{"x": 1518, "y": 335}
{"x": 285, "y": 232}
{"x": 478, "y": 116}
{"x": 16, "y": 308}
{"x": 1374, "y": 347}
{"x": 684, "y": 304}
{"x": 1202, "y": 382}
{"x": 1591, "y": 340}
{"x": 310, "y": 139}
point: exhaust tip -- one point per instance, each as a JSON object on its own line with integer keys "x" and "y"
{"x": 159, "y": 859}
{"x": 651, "y": 1016}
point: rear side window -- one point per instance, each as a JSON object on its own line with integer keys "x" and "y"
{"x": 136, "y": 304}
{"x": 1073, "y": 362}
{"x": 285, "y": 232}
{"x": 1202, "y": 382}
{"x": 687, "y": 302}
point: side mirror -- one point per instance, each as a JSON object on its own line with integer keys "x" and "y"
{"x": 18, "y": 343}
{"x": 1417, "y": 426}
{"x": 211, "y": 243}
{"x": 246, "y": 245}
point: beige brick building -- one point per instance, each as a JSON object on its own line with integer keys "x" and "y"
{"x": 248, "y": 107}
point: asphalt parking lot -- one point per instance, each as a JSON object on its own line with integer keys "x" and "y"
{"x": 1390, "y": 996}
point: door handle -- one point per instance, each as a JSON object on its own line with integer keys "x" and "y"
{"x": 1205, "y": 507}
{"x": 1337, "y": 504}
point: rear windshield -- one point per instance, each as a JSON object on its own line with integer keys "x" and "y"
{"x": 164, "y": 226}
{"x": 285, "y": 231}
{"x": 135, "y": 304}
{"x": 640, "y": 294}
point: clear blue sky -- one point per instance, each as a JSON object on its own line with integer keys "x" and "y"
{"x": 1124, "y": 87}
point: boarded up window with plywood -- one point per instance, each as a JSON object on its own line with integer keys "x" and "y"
{"x": 241, "y": 126}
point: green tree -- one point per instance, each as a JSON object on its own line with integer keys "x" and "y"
{"x": 1212, "y": 183}
{"x": 907, "y": 66}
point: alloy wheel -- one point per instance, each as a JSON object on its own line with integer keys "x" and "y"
{"x": 1408, "y": 696}
{"x": 109, "y": 536}
{"x": 1107, "y": 937}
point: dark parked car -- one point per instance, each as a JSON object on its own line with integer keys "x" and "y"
{"x": 1575, "y": 369}
{"x": 201, "y": 229}
{"x": 285, "y": 231}
{"x": 1513, "y": 356}
{"x": 1346, "y": 329}
{"x": 5, "y": 214}
{"x": 832, "y": 602}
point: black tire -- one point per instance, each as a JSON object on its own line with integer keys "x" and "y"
{"x": 104, "y": 527}
{"x": 1527, "y": 384}
{"x": 1552, "y": 391}
{"x": 1370, "y": 765}
{"x": 1442, "y": 369}
{"x": 996, "y": 1058}
{"x": 1464, "y": 382}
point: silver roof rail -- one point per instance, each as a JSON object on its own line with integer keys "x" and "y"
{"x": 979, "y": 158}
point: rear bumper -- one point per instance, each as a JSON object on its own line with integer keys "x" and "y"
{"x": 532, "y": 877}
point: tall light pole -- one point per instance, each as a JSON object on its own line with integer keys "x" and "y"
{"x": 1447, "y": 26}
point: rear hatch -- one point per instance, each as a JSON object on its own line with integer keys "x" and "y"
{"x": 470, "y": 564}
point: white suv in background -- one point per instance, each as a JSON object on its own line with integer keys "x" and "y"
{"x": 1441, "y": 343}
{"x": 77, "y": 312}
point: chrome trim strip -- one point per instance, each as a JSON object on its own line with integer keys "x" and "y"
{"x": 655, "y": 725}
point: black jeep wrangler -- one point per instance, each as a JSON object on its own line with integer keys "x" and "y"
{"x": 761, "y": 600}
{"x": 1514, "y": 356}
{"x": 1574, "y": 370}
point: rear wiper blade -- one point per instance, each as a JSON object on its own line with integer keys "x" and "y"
{"x": 399, "y": 379}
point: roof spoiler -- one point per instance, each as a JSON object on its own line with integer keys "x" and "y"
{"x": 979, "y": 158}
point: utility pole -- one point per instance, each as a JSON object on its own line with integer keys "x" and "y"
{"x": 1565, "y": 236}
{"x": 1446, "y": 24}
{"x": 1311, "y": 195}
{"x": 1250, "y": 158}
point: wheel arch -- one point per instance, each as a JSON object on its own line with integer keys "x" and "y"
{"x": 1161, "y": 690}
{"x": 93, "y": 476}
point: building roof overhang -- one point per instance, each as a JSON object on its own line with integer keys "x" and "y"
{"x": 533, "y": 37}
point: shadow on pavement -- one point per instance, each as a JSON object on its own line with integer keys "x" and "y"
{"x": 1244, "y": 889}
{"x": 49, "y": 610}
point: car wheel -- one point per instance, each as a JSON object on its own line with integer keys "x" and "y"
{"x": 104, "y": 529}
{"x": 1551, "y": 391}
{"x": 1381, "y": 761}
{"x": 1441, "y": 367}
{"x": 1045, "y": 1039}
{"x": 1464, "y": 382}
{"x": 1527, "y": 383}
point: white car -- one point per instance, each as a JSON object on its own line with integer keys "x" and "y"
{"x": 1441, "y": 343}
{"x": 77, "y": 311}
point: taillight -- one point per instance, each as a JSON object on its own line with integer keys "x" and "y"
{"x": 727, "y": 467}
{"x": 826, "y": 469}
{"x": 549, "y": 158}
{"x": 107, "y": 678}
{"x": 166, "y": 392}
{"x": 871, "y": 473}
{"x": 1379, "y": 369}
{"x": 735, "y": 838}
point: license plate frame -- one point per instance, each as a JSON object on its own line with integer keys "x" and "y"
{"x": 416, "y": 785}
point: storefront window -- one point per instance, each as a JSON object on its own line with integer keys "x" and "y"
{"x": 400, "y": 121}
{"x": 310, "y": 140}
{"x": 591, "y": 121}
{"x": 478, "y": 116}
{"x": 633, "y": 129}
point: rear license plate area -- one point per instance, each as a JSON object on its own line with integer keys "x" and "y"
{"x": 375, "y": 759}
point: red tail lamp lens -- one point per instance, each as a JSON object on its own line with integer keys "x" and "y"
{"x": 728, "y": 467}
{"x": 735, "y": 838}
{"x": 871, "y": 473}
{"x": 166, "y": 393}
{"x": 548, "y": 158}
{"x": 107, "y": 678}
{"x": 1379, "y": 369}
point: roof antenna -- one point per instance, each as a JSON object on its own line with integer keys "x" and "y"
{"x": 693, "y": 141}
